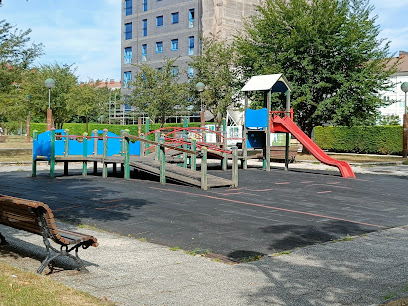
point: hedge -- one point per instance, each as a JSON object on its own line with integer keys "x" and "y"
{"x": 360, "y": 139}
{"x": 80, "y": 128}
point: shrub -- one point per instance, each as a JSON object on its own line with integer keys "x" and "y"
{"x": 360, "y": 139}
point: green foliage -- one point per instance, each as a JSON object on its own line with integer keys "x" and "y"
{"x": 214, "y": 67}
{"x": 158, "y": 92}
{"x": 65, "y": 82}
{"x": 329, "y": 50}
{"x": 16, "y": 56}
{"x": 360, "y": 139}
{"x": 80, "y": 128}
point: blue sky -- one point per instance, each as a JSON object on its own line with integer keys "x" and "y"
{"x": 87, "y": 33}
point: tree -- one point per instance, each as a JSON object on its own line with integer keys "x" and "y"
{"x": 16, "y": 57}
{"x": 158, "y": 92}
{"x": 328, "y": 49}
{"x": 65, "y": 81}
{"x": 215, "y": 68}
{"x": 83, "y": 100}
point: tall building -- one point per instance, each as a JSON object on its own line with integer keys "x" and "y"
{"x": 157, "y": 29}
{"x": 395, "y": 94}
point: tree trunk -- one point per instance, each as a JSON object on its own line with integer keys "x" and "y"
{"x": 86, "y": 123}
{"x": 162, "y": 121}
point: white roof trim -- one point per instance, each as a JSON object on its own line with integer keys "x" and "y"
{"x": 266, "y": 82}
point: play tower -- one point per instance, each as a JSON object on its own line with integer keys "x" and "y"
{"x": 259, "y": 124}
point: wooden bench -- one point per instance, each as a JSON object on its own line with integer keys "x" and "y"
{"x": 37, "y": 218}
{"x": 278, "y": 152}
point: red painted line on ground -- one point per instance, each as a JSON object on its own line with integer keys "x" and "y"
{"x": 66, "y": 208}
{"x": 283, "y": 183}
{"x": 327, "y": 191}
{"x": 306, "y": 182}
{"x": 333, "y": 183}
{"x": 269, "y": 207}
{"x": 108, "y": 207}
{"x": 111, "y": 201}
{"x": 260, "y": 190}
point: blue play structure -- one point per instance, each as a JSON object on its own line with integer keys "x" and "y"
{"x": 42, "y": 145}
{"x": 256, "y": 124}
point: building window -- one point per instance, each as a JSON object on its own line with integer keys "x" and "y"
{"x": 174, "y": 44}
{"x": 190, "y": 71}
{"x": 159, "y": 21}
{"x": 128, "y": 7}
{"x": 127, "y": 77}
{"x": 191, "y": 45}
{"x": 174, "y": 18}
{"x": 174, "y": 71}
{"x": 144, "y": 27}
{"x": 128, "y": 30}
{"x": 144, "y": 52}
{"x": 144, "y": 4}
{"x": 191, "y": 18}
{"x": 159, "y": 47}
{"x": 128, "y": 55}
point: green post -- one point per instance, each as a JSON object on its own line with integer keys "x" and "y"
{"x": 105, "y": 153}
{"x": 142, "y": 145}
{"x": 162, "y": 162}
{"x": 147, "y": 130}
{"x": 287, "y": 143}
{"x": 193, "y": 156}
{"x": 95, "y": 150}
{"x": 235, "y": 166}
{"x": 245, "y": 152}
{"x": 85, "y": 154}
{"x": 157, "y": 149}
{"x": 126, "y": 162}
{"x": 34, "y": 164}
{"x": 204, "y": 185}
{"x": 224, "y": 145}
{"x": 66, "y": 150}
{"x": 52, "y": 158}
{"x": 122, "y": 143}
{"x": 204, "y": 136}
{"x": 185, "y": 155}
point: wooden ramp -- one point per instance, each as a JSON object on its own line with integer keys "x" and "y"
{"x": 177, "y": 173}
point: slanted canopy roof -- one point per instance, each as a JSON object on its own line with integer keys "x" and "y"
{"x": 273, "y": 82}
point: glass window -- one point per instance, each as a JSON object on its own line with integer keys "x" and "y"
{"x": 174, "y": 18}
{"x": 144, "y": 27}
{"x": 190, "y": 71}
{"x": 174, "y": 71}
{"x": 191, "y": 45}
{"x": 128, "y": 55}
{"x": 127, "y": 77}
{"x": 191, "y": 18}
{"x": 128, "y": 7}
{"x": 144, "y": 52}
{"x": 174, "y": 44}
{"x": 128, "y": 30}
{"x": 144, "y": 4}
{"x": 159, "y": 21}
{"x": 159, "y": 47}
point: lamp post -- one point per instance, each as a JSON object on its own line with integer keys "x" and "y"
{"x": 404, "y": 88}
{"x": 200, "y": 88}
{"x": 49, "y": 83}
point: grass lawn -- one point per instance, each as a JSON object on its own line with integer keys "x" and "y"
{"x": 18, "y": 287}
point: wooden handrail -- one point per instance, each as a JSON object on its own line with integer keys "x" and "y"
{"x": 160, "y": 144}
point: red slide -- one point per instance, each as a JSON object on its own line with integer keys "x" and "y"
{"x": 287, "y": 125}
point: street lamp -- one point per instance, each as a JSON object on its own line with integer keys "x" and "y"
{"x": 404, "y": 88}
{"x": 200, "y": 88}
{"x": 49, "y": 83}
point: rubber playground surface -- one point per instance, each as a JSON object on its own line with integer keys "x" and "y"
{"x": 269, "y": 212}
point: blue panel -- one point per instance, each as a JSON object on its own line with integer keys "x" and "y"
{"x": 134, "y": 148}
{"x": 256, "y": 119}
{"x": 114, "y": 144}
{"x": 76, "y": 147}
{"x": 256, "y": 139}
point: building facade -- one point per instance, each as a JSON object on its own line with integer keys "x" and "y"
{"x": 395, "y": 94}
{"x": 157, "y": 29}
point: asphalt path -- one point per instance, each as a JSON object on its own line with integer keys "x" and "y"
{"x": 268, "y": 213}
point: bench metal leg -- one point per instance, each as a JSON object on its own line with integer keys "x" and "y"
{"x": 3, "y": 240}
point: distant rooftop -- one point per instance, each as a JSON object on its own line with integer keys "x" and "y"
{"x": 402, "y": 65}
